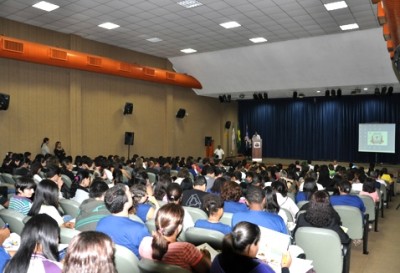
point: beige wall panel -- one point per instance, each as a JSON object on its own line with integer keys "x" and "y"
{"x": 38, "y": 105}
{"x": 84, "y": 110}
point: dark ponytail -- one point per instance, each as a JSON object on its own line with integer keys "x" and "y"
{"x": 242, "y": 235}
{"x": 168, "y": 219}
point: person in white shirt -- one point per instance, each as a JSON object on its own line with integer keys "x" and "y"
{"x": 219, "y": 153}
{"x": 45, "y": 146}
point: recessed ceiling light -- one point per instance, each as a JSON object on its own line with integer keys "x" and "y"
{"x": 365, "y": 88}
{"x": 188, "y": 50}
{"x": 43, "y": 5}
{"x": 318, "y": 91}
{"x": 335, "y": 5}
{"x": 349, "y": 26}
{"x": 109, "y": 25}
{"x": 258, "y": 40}
{"x": 154, "y": 40}
{"x": 190, "y": 4}
{"x": 231, "y": 24}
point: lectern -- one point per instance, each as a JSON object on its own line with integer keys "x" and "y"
{"x": 256, "y": 148}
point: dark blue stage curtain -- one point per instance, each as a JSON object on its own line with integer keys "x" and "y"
{"x": 321, "y": 128}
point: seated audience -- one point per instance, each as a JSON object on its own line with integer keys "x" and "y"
{"x": 214, "y": 207}
{"x": 174, "y": 195}
{"x": 146, "y": 205}
{"x": 345, "y": 198}
{"x": 163, "y": 246}
{"x": 309, "y": 187}
{"x": 217, "y": 186}
{"x": 90, "y": 252}
{"x": 321, "y": 214}
{"x": 231, "y": 192}
{"x": 38, "y": 250}
{"x": 122, "y": 230}
{"x": 194, "y": 197}
{"x": 272, "y": 205}
{"x": 239, "y": 250}
{"x": 22, "y": 200}
{"x": 255, "y": 199}
{"x": 79, "y": 190}
{"x": 46, "y": 201}
{"x": 284, "y": 201}
{"x": 93, "y": 209}
{"x": 369, "y": 189}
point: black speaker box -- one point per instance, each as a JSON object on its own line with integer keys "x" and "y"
{"x": 227, "y": 124}
{"x": 207, "y": 141}
{"x": 129, "y": 137}
{"x": 4, "y": 101}
{"x": 181, "y": 113}
{"x": 128, "y": 109}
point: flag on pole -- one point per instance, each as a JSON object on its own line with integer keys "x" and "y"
{"x": 238, "y": 139}
{"x": 247, "y": 139}
{"x": 233, "y": 139}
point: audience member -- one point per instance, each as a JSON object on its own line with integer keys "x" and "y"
{"x": 45, "y": 146}
{"x": 231, "y": 192}
{"x": 38, "y": 250}
{"x": 255, "y": 199}
{"x": 46, "y": 201}
{"x": 122, "y": 230}
{"x": 146, "y": 205}
{"x": 93, "y": 209}
{"x": 321, "y": 214}
{"x": 194, "y": 197}
{"x": 22, "y": 200}
{"x": 163, "y": 246}
{"x": 79, "y": 190}
{"x": 369, "y": 189}
{"x": 239, "y": 250}
{"x": 90, "y": 252}
{"x": 284, "y": 201}
{"x": 345, "y": 198}
{"x": 214, "y": 207}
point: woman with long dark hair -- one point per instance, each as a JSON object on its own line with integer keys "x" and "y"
{"x": 239, "y": 250}
{"x": 46, "y": 201}
{"x": 163, "y": 246}
{"x": 38, "y": 251}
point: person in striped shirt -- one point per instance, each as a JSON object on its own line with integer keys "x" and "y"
{"x": 24, "y": 189}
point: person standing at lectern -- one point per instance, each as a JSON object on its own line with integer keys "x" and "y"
{"x": 219, "y": 153}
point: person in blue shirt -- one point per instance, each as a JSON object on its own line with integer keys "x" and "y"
{"x": 345, "y": 198}
{"x": 122, "y": 230}
{"x": 255, "y": 199}
{"x": 231, "y": 192}
{"x": 214, "y": 207}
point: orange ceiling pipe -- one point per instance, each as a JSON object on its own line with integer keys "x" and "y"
{"x": 386, "y": 32}
{"x": 43, "y": 54}
{"x": 389, "y": 44}
{"x": 381, "y": 14}
{"x": 392, "y": 12}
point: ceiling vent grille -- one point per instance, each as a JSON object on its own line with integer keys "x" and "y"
{"x": 58, "y": 54}
{"x": 149, "y": 71}
{"x": 93, "y": 61}
{"x": 13, "y": 46}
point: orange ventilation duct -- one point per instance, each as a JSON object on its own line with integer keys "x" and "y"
{"x": 43, "y": 54}
{"x": 392, "y": 13}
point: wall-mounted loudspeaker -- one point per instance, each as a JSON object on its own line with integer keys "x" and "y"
{"x": 128, "y": 109}
{"x": 129, "y": 138}
{"x": 4, "y": 101}
{"x": 207, "y": 141}
{"x": 181, "y": 113}
{"x": 227, "y": 124}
